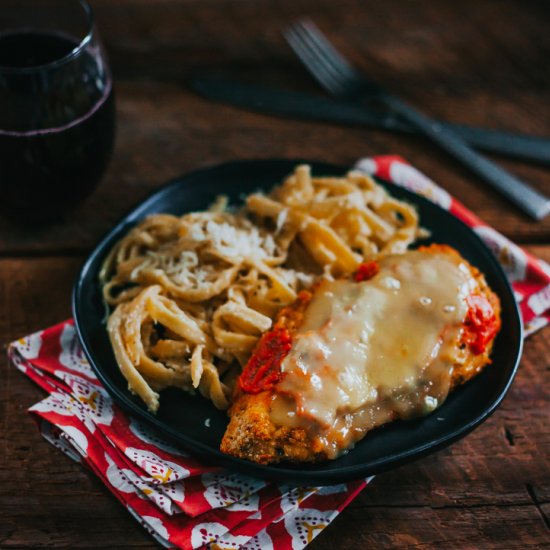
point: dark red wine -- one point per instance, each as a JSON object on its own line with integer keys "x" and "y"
{"x": 30, "y": 49}
{"x": 57, "y": 134}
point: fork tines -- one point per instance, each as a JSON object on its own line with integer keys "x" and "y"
{"x": 325, "y": 63}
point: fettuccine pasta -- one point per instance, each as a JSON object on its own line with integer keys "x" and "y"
{"x": 192, "y": 294}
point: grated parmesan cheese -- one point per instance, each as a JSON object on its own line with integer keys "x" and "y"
{"x": 281, "y": 220}
{"x": 230, "y": 238}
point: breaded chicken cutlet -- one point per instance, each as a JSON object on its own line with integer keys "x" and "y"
{"x": 355, "y": 354}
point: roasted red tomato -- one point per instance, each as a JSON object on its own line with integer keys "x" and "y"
{"x": 481, "y": 324}
{"x": 263, "y": 369}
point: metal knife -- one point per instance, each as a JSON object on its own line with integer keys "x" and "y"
{"x": 297, "y": 104}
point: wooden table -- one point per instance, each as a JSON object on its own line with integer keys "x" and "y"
{"x": 480, "y": 62}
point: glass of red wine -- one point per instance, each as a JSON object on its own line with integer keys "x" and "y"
{"x": 57, "y": 113}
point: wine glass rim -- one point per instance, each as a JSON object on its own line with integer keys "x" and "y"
{"x": 74, "y": 53}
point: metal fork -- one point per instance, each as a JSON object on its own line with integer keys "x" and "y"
{"x": 333, "y": 71}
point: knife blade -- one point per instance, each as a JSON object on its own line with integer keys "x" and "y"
{"x": 311, "y": 107}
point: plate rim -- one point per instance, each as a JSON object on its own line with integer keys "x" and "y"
{"x": 300, "y": 474}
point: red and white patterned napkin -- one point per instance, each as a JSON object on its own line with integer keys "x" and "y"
{"x": 181, "y": 501}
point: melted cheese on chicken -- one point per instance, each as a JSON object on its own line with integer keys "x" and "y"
{"x": 369, "y": 352}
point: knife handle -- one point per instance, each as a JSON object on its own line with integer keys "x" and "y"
{"x": 532, "y": 202}
{"x": 515, "y": 145}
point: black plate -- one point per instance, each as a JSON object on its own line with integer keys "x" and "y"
{"x": 182, "y": 417}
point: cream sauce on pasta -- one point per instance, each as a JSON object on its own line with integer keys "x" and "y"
{"x": 373, "y": 351}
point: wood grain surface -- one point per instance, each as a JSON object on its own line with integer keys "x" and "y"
{"x": 481, "y": 62}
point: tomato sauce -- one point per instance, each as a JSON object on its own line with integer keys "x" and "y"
{"x": 366, "y": 271}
